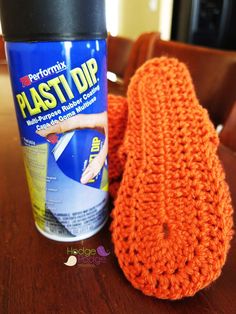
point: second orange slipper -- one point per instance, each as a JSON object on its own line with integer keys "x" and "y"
{"x": 117, "y": 113}
{"x": 172, "y": 221}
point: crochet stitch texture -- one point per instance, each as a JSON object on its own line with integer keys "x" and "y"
{"x": 172, "y": 219}
{"x": 117, "y": 112}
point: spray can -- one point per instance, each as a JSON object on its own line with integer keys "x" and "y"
{"x": 56, "y": 53}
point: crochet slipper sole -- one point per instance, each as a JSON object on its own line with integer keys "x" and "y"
{"x": 172, "y": 221}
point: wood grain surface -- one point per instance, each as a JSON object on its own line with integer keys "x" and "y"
{"x": 33, "y": 277}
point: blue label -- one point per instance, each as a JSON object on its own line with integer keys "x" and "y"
{"x": 60, "y": 95}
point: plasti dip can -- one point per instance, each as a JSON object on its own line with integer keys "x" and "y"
{"x": 56, "y": 52}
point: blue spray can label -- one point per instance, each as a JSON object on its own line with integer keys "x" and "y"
{"x": 60, "y": 95}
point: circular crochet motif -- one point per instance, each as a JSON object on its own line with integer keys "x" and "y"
{"x": 172, "y": 220}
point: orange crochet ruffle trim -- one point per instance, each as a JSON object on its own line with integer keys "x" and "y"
{"x": 172, "y": 218}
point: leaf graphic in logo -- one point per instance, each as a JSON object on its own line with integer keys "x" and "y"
{"x": 72, "y": 261}
{"x": 101, "y": 251}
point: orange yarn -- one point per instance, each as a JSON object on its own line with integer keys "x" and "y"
{"x": 172, "y": 220}
{"x": 117, "y": 112}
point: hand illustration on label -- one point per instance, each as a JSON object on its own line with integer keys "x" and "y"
{"x": 79, "y": 122}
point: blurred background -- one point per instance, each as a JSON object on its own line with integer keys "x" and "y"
{"x": 210, "y": 23}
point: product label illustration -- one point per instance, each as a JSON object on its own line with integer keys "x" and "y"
{"x": 60, "y": 98}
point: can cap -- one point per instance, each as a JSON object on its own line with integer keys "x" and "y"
{"x": 52, "y": 20}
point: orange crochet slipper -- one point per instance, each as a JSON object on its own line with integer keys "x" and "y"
{"x": 117, "y": 117}
{"x": 172, "y": 221}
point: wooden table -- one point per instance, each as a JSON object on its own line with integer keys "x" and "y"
{"x": 33, "y": 277}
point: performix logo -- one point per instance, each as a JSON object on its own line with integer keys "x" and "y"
{"x": 42, "y": 73}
